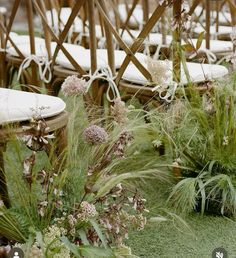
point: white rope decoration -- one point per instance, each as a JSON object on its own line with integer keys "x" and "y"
{"x": 170, "y": 86}
{"x": 104, "y": 74}
{"x": 102, "y": 43}
{"x": 211, "y": 57}
{"x": 79, "y": 37}
{"x": 170, "y": 91}
{"x": 43, "y": 65}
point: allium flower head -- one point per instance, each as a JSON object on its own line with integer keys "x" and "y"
{"x": 119, "y": 111}
{"x": 95, "y": 134}
{"x": 73, "y": 86}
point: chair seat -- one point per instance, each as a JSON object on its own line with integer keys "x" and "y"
{"x": 3, "y": 9}
{"x": 65, "y": 12}
{"x": 82, "y": 56}
{"x": 23, "y": 39}
{"x": 224, "y": 16}
{"x": 198, "y": 73}
{"x": 40, "y": 47}
{"x": 223, "y": 30}
{"x": 17, "y": 106}
{"x": 216, "y": 46}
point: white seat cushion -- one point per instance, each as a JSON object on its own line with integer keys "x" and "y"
{"x": 223, "y": 30}
{"x": 23, "y": 39}
{"x": 224, "y": 16}
{"x": 65, "y": 12}
{"x": 216, "y": 46}
{"x": 198, "y": 73}
{"x": 40, "y": 47}
{"x": 82, "y": 56}
{"x": 156, "y": 39}
{"x": 152, "y": 38}
{"x": 16, "y": 106}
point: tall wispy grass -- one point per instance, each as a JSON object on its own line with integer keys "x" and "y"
{"x": 200, "y": 133}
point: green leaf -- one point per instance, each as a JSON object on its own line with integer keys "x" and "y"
{"x": 116, "y": 179}
{"x": 99, "y": 232}
{"x": 212, "y": 163}
{"x": 188, "y": 47}
{"x": 96, "y": 252}
{"x": 203, "y": 195}
{"x": 39, "y": 239}
{"x": 199, "y": 40}
{"x": 73, "y": 248}
{"x": 83, "y": 237}
{"x": 157, "y": 219}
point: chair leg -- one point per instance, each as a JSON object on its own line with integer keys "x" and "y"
{"x": 3, "y": 185}
{"x": 2, "y": 69}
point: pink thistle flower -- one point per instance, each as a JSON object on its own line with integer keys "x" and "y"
{"x": 95, "y": 134}
{"x": 73, "y": 86}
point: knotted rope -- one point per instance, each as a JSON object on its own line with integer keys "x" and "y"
{"x": 211, "y": 57}
{"x": 43, "y": 66}
{"x": 104, "y": 74}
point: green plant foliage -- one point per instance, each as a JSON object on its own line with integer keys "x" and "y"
{"x": 201, "y": 135}
{"x": 85, "y": 207}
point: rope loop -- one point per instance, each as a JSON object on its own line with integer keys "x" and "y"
{"x": 43, "y": 65}
{"x": 104, "y": 74}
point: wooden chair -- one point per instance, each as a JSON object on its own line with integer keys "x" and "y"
{"x": 213, "y": 26}
{"x": 18, "y": 49}
{"x": 162, "y": 39}
{"x": 136, "y": 80}
{"x": 73, "y": 66}
{"x": 17, "y": 109}
{"x": 2, "y": 52}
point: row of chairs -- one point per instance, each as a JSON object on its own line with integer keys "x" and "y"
{"x": 97, "y": 34}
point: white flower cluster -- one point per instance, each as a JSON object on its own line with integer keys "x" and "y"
{"x": 160, "y": 71}
{"x": 87, "y": 211}
{"x": 53, "y": 234}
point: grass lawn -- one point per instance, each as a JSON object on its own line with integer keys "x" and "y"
{"x": 174, "y": 239}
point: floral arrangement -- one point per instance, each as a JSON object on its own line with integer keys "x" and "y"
{"x": 84, "y": 207}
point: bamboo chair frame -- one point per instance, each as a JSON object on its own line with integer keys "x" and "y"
{"x": 15, "y": 62}
{"x": 207, "y": 5}
{"x": 2, "y": 52}
{"x": 110, "y": 32}
{"x": 140, "y": 91}
{"x": 61, "y": 73}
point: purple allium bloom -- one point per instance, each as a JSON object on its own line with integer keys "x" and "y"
{"x": 95, "y": 134}
{"x": 73, "y": 86}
